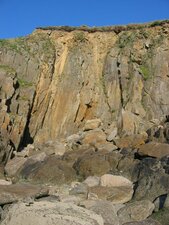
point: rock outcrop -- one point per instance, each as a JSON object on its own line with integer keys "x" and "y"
{"x": 56, "y": 79}
{"x": 84, "y": 126}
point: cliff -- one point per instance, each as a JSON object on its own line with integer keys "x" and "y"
{"x": 55, "y": 79}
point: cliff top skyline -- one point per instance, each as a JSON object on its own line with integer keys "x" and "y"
{"x": 19, "y": 19}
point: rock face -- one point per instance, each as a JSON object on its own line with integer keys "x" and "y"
{"x": 84, "y": 113}
{"x": 54, "y": 80}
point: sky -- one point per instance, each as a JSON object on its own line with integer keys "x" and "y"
{"x": 21, "y": 17}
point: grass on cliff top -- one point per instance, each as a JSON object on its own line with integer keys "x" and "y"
{"x": 116, "y": 29}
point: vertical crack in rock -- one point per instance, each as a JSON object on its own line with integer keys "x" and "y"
{"x": 105, "y": 94}
{"x": 26, "y": 138}
{"x": 120, "y": 83}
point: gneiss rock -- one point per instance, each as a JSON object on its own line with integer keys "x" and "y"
{"x": 50, "y": 213}
{"x": 16, "y": 192}
{"x": 154, "y": 149}
{"x": 136, "y": 211}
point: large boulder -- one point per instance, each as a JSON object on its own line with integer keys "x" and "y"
{"x": 154, "y": 149}
{"x": 92, "y": 163}
{"x": 107, "y": 210}
{"x": 51, "y": 171}
{"x": 108, "y": 180}
{"x": 16, "y": 192}
{"x": 13, "y": 165}
{"x": 136, "y": 211}
{"x": 132, "y": 141}
{"x": 152, "y": 180}
{"x": 116, "y": 195}
{"x": 50, "y": 213}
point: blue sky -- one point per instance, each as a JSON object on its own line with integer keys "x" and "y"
{"x": 20, "y": 17}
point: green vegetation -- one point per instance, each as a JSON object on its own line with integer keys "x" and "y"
{"x": 24, "y": 98}
{"x": 126, "y": 39}
{"x": 145, "y": 72}
{"x": 162, "y": 216}
{"x": 17, "y": 44}
{"x": 79, "y": 36}
{"x": 158, "y": 23}
{"x": 116, "y": 29}
{"x": 7, "y": 68}
{"x": 24, "y": 83}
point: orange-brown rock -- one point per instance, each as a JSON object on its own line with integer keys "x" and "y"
{"x": 132, "y": 141}
{"x": 54, "y": 80}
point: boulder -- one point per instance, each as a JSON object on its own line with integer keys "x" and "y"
{"x": 92, "y": 164}
{"x": 13, "y": 165}
{"x": 5, "y": 182}
{"x": 108, "y": 180}
{"x": 136, "y": 211}
{"x": 50, "y": 213}
{"x": 112, "y": 134}
{"x": 80, "y": 190}
{"x": 117, "y": 195}
{"x": 107, "y": 210}
{"x": 27, "y": 151}
{"x": 92, "y": 124}
{"x": 114, "y": 159}
{"x": 92, "y": 181}
{"x": 127, "y": 166}
{"x": 73, "y": 140}
{"x": 106, "y": 146}
{"x": 52, "y": 148}
{"x": 70, "y": 199}
{"x": 154, "y": 149}
{"x": 93, "y": 137}
{"x": 51, "y": 171}
{"x": 132, "y": 141}
{"x": 152, "y": 181}
{"x": 16, "y": 192}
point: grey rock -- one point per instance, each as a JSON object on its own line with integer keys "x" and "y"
{"x": 136, "y": 211}
{"x": 42, "y": 213}
{"x": 16, "y": 192}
